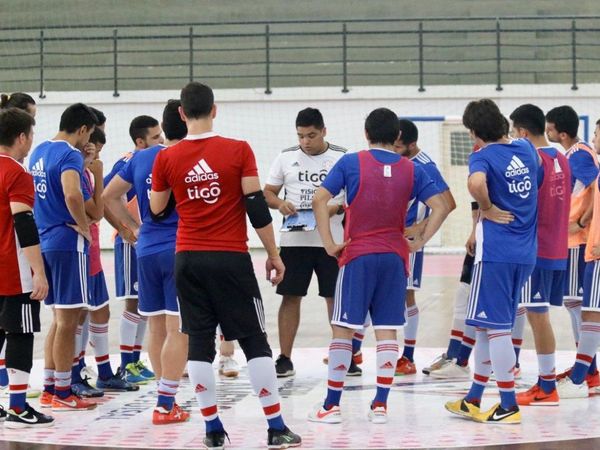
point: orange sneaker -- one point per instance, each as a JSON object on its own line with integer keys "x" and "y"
{"x": 535, "y": 396}
{"x": 593, "y": 382}
{"x": 46, "y": 400}
{"x": 162, "y": 416}
{"x": 71, "y": 403}
{"x": 405, "y": 367}
{"x": 357, "y": 358}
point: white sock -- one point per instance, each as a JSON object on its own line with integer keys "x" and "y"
{"x": 263, "y": 378}
{"x": 574, "y": 309}
{"x": 203, "y": 379}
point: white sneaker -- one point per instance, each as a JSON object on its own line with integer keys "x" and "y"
{"x": 90, "y": 373}
{"x": 436, "y": 364}
{"x": 31, "y": 392}
{"x": 451, "y": 370}
{"x": 567, "y": 389}
{"x": 228, "y": 367}
{"x": 322, "y": 415}
{"x": 378, "y": 415}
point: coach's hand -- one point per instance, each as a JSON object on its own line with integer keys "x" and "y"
{"x": 497, "y": 215}
{"x": 129, "y": 235}
{"x": 274, "y": 263}
{"x": 40, "y": 287}
{"x": 335, "y": 250}
{"x": 287, "y": 209}
{"x": 596, "y": 251}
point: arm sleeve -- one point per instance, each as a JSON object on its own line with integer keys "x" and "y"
{"x": 583, "y": 167}
{"x": 126, "y": 171}
{"x": 115, "y": 170}
{"x": 276, "y": 173}
{"x": 436, "y": 176}
{"x": 423, "y": 186}
{"x": 249, "y": 168}
{"x": 20, "y": 187}
{"x": 477, "y": 163}
{"x": 336, "y": 179}
{"x": 159, "y": 177}
{"x": 72, "y": 161}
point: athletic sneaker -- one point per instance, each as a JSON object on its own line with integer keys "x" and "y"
{"x": 535, "y": 396}
{"x": 29, "y": 418}
{"x": 89, "y": 372}
{"x": 72, "y": 403}
{"x": 228, "y": 367}
{"x": 320, "y": 414}
{"x": 284, "y": 367}
{"x": 116, "y": 383}
{"x": 133, "y": 375}
{"x": 144, "y": 371}
{"x": 437, "y": 363}
{"x": 462, "y": 408}
{"x": 84, "y": 390}
{"x": 2, "y": 413}
{"x": 215, "y": 440}
{"x": 592, "y": 380}
{"x": 378, "y": 415}
{"x": 497, "y": 414}
{"x": 405, "y": 366}
{"x": 451, "y": 370}
{"x": 282, "y": 438}
{"x": 163, "y": 416}
{"x": 46, "y": 399}
{"x": 567, "y": 389}
{"x": 354, "y": 370}
{"x": 31, "y": 393}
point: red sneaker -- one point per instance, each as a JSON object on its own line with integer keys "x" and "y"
{"x": 536, "y": 396}
{"x": 593, "y": 382}
{"x": 162, "y": 416}
{"x": 405, "y": 367}
{"x": 72, "y": 403}
{"x": 46, "y": 399}
{"x": 564, "y": 374}
{"x": 357, "y": 358}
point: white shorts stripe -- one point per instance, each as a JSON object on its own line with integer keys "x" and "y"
{"x": 474, "y": 294}
{"x": 337, "y": 301}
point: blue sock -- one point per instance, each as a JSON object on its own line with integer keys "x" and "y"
{"x": 579, "y": 372}
{"x": 453, "y": 349}
{"x": 381, "y": 395}
{"x": 81, "y": 363}
{"x": 356, "y": 343}
{"x": 276, "y": 423}
{"x": 168, "y": 401}
{"x": 104, "y": 370}
{"x": 517, "y": 353}
{"x": 18, "y": 402}
{"x": 475, "y": 393}
{"x": 593, "y": 368}
{"x": 214, "y": 425}
{"x": 136, "y": 356}
{"x": 75, "y": 374}
{"x": 333, "y": 398}
{"x": 409, "y": 352}
{"x": 464, "y": 353}
{"x": 546, "y": 385}
{"x": 508, "y": 399}
{"x": 126, "y": 358}
{"x": 3, "y": 377}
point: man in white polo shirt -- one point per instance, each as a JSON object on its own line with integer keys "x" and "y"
{"x": 299, "y": 170}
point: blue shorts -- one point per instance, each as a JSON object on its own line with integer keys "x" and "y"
{"x": 374, "y": 284}
{"x": 126, "y": 273}
{"x": 158, "y": 294}
{"x": 67, "y": 274}
{"x": 495, "y": 294}
{"x": 98, "y": 292}
{"x": 591, "y": 287}
{"x": 415, "y": 262}
{"x": 544, "y": 288}
{"x": 575, "y": 273}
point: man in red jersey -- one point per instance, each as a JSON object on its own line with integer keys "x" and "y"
{"x": 23, "y": 283}
{"x": 214, "y": 182}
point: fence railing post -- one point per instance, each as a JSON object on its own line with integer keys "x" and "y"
{"x": 267, "y": 60}
{"x": 498, "y": 57}
{"x": 574, "y": 53}
{"x": 344, "y": 59}
{"x": 42, "y": 95}
{"x": 191, "y": 54}
{"x": 421, "y": 62}
{"x": 115, "y": 63}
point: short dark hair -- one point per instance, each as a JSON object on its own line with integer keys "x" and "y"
{"x": 483, "y": 117}
{"x": 197, "y": 100}
{"x": 98, "y": 136}
{"x": 13, "y": 122}
{"x": 77, "y": 116}
{"x": 409, "y": 132}
{"x": 310, "y": 117}
{"x": 172, "y": 125}
{"x": 139, "y": 127}
{"x": 382, "y": 126}
{"x": 529, "y": 117}
{"x": 19, "y": 100}
{"x": 565, "y": 120}
{"x": 99, "y": 115}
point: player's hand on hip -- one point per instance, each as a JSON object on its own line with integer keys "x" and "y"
{"x": 40, "y": 287}
{"x": 287, "y": 209}
{"x": 336, "y": 249}
{"x": 497, "y": 215}
{"x": 574, "y": 228}
{"x": 131, "y": 236}
{"x": 596, "y": 251}
{"x": 415, "y": 244}
{"x": 274, "y": 263}
{"x": 85, "y": 233}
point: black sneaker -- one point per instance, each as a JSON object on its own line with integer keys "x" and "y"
{"x": 2, "y": 414}
{"x": 354, "y": 370}
{"x": 84, "y": 389}
{"x": 284, "y": 367}
{"x": 215, "y": 440}
{"x": 283, "y": 438}
{"x": 29, "y": 418}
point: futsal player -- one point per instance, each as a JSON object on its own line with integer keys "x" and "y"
{"x": 145, "y": 132}
{"x": 503, "y": 181}
{"x": 214, "y": 181}
{"x": 23, "y": 284}
{"x": 373, "y": 257}
{"x": 57, "y": 169}
{"x": 155, "y": 250}
{"x": 299, "y": 171}
{"x": 416, "y": 220}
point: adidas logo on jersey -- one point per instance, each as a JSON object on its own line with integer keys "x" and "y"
{"x": 38, "y": 169}
{"x": 263, "y": 393}
{"x": 201, "y": 172}
{"x": 482, "y": 315}
{"x": 516, "y": 168}
{"x": 537, "y": 296}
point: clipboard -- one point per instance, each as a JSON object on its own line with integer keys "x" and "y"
{"x": 303, "y": 220}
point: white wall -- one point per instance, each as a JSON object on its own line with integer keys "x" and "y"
{"x": 267, "y": 121}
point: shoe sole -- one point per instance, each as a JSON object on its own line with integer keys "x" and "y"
{"x": 45, "y": 406}
{"x": 89, "y": 408}
{"x": 542, "y": 404}
{"x": 446, "y": 377}
{"x": 92, "y": 396}
{"x": 170, "y": 423}
{"x": 298, "y": 444}
{"x": 400, "y": 374}
{"x": 121, "y": 390}
{"x": 289, "y": 373}
{"x": 20, "y": 425}
{"x": 377, "y": 420}
{"x": 354, "y": 374}
{"x": 460, "y": 414}
{"x": 331, "y": 420}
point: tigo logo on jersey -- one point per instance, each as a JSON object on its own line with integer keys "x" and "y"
{"x": 202, "y": 172}
{"x": 37, "y": 171}
{"x": 517, "y": 168}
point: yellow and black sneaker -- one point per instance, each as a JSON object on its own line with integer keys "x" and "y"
{"x": 463, "y": 408}
{"x": 497, "y": 414}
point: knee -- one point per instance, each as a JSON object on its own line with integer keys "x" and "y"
{"x": 255, "y": 346}
{"x": 201, "y": 347}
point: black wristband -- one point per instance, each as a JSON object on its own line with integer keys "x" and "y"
{"x": 474, "y": 206}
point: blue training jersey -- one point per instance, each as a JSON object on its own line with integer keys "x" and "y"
{"x": 47, "y": 163}
{"x": 115, "y": 170}
{"x": 512, "y": 181}
{"x": 345, "y": 174}
{"x": 154, "y": 237}
{"x": 418, "y": 210}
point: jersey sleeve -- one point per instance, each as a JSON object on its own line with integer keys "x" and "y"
{"x": 436, "y": 176}
{"x": 249, "y": 168}
{"x": 335, "y": 180}
{"x": 583, "y": 167}
{"x": 115, "y": 170}
{"x": 423, "y": 185}
{"x": 126, "y": 171}
{"x": 159, "y": 173}
{"x": 276, "y": 176}
{"x": 477, "y": 163}
{"x": 20, "y": 187}
{"x": 73, "y": 160}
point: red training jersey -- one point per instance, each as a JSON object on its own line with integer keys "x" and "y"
{"x": 16, "y": 185}
{"x": 205, "y": 172}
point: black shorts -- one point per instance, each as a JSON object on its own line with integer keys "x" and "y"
{"x": 19, "y": 314}
{"x": 218, "y": 288}
{"x": 300, "y": 262}
{"x": 467, "y": 269}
